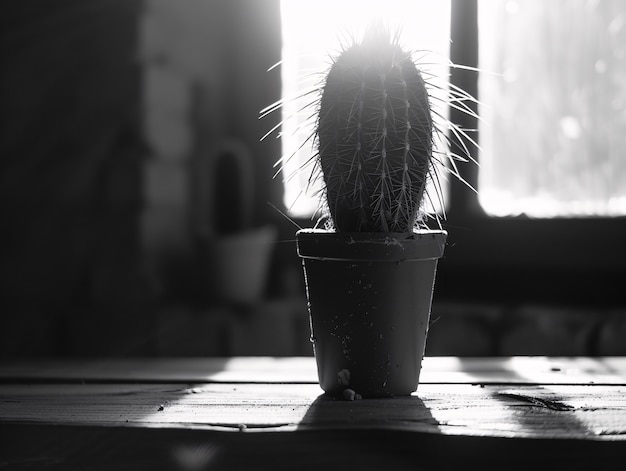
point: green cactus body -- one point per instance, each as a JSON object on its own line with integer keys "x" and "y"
{"x": 375, "y": 140}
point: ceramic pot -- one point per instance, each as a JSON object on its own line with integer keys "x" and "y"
{"x": 369, "y": 298}
{"x": 239, "y": 264}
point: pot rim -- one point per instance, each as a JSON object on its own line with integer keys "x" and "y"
{"x": 321, "y": 244}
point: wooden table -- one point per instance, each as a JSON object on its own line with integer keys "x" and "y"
{"x": 269, "y": 413}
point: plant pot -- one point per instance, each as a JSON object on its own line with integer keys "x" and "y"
{"x": 369, "y": 298}
{"x": 239, "y": 264}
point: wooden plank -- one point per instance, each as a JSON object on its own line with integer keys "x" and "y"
{"x": 525, "y": 370}
{"x": 141, "y": 414}
{"x": 76, "y": 448}
{"x": 453, "y": 370}
{"x": 507, "y": 411}
{"x": 176, "y": 370}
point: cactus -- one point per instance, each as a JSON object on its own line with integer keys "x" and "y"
{"x": 377, "y": 140}
{"x": 375, "y": 137}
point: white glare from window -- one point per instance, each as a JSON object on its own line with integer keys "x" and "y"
{"x": 553, "y": 95}
{"x": 314, "y": 32}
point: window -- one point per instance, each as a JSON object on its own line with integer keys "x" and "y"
{"x": 553, "y": 89}
{"x": 506, "y": 245}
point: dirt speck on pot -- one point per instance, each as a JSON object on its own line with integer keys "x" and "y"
{"x": 343, "y": 377}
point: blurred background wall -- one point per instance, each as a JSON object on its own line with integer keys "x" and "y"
{"x": 125, "y": 127}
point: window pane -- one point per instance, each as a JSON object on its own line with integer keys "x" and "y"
{"x": 314, "y": 32}
{"x": 553, "y": 94}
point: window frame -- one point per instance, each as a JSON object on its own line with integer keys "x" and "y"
{"x": 519, "y": 259}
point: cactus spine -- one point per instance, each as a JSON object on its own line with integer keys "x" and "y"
{"x": 374, "y": 133}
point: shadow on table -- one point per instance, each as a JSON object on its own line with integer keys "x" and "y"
{"x": 539, "y": 409}
{"x": 368, "y": 433}
{"x": 398, "y": 413}
{"x": 402, "y": 433}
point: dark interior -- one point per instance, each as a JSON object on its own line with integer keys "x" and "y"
{"x": 102, "y": 254}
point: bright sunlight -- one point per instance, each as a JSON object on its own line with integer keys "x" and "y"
{"x": 314, "y": 33}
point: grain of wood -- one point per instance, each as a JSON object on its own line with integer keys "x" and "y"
{"x": 597, "y": 412}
